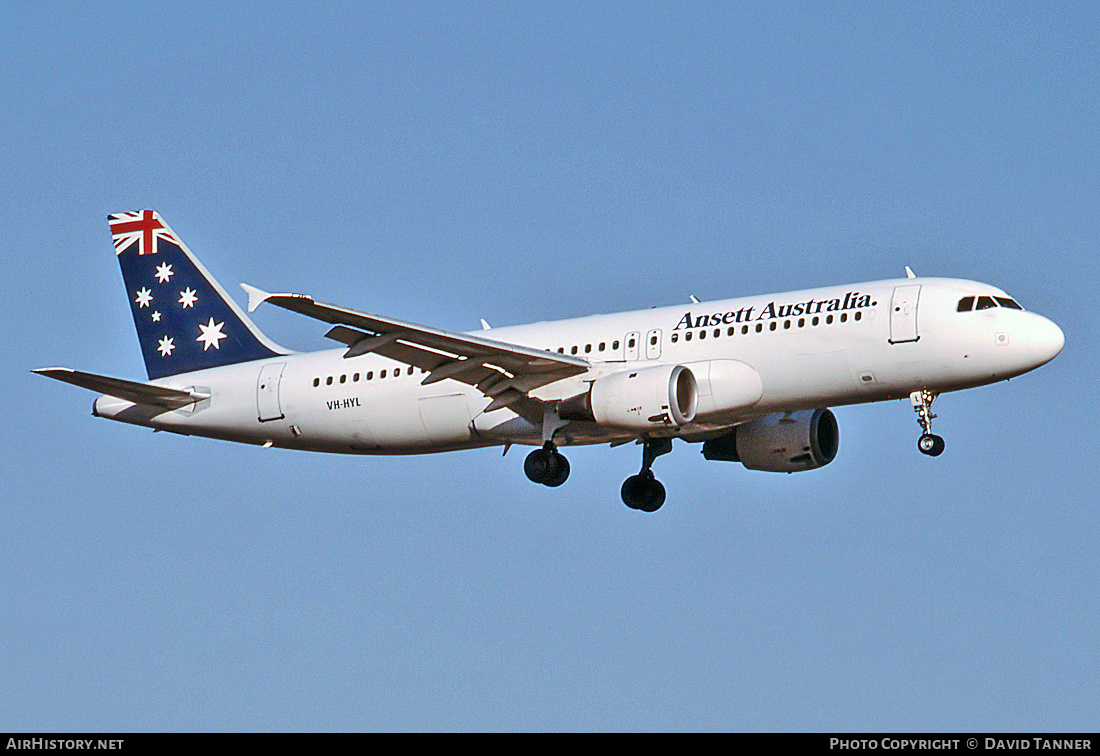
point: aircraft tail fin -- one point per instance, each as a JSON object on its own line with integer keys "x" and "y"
{"x": 185, "y": 320}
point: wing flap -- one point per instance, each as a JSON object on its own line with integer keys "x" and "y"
{"x": 131, "y": 391}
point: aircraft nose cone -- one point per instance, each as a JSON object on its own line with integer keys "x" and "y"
{"x": 1045, "y": 341}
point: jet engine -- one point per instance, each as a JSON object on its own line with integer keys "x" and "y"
{"x": 637, "y": 399}
{"x": 783, "y": 442}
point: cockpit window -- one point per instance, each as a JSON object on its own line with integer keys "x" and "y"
{"x": 966, "y": 304}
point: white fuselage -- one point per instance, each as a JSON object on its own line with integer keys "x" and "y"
{"x": 815, "y": 348}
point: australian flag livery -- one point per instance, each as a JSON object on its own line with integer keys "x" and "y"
{"x": 185, "y": 321}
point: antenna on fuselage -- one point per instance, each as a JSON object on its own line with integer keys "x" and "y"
{"x": 909, "y": 272}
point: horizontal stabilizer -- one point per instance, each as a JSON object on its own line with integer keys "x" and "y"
{"x": 131, "y": 391}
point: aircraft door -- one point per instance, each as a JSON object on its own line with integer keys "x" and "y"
{"x": 446, "y": 418}
{"x": 631, "y": 344}
{"x": 267, "y": 392}
{"x": 653, "y": 344}
{"x": 903, "y": 314}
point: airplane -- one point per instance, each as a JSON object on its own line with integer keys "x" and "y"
{"x": 749, "y": 379}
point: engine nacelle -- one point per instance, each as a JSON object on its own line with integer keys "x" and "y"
{"x": 726, "y": 386}
{"x": 783, "y": 442}
{"x": 641, "y": 399}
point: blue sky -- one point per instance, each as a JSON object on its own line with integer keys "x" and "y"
{"x": 517, "y": 162}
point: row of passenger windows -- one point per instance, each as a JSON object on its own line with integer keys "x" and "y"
{"x": 631, "y": 343}
{"x": 674, "y": 337}
{"x": 772, "y": 326}
{"x": 966, "y": 304}
{"x": 602, "y": 346}
{"x": 370, "y": 376}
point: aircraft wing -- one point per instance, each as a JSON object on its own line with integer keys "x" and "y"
{"x": 503, "y": 371}
{"x": 131, "y": 391}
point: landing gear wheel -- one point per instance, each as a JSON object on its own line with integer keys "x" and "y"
{"x": 546, "y": 466}
{"x": 643, "y": 492}
{"x": 537, "y": 465}
{"x": 559, "y": 466}
{"x": 930, "y": 444}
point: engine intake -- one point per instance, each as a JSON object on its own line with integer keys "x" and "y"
{"x": 783, "y": 442}
{"x": 653, "y": 397}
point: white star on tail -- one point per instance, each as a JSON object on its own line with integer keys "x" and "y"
{"x": 165, "y": 346}
{"x": 188, "y": 298}
{"x": 156, "y": 316}
{"x": 144, "y": 297}
{"x": 164, "y": 272}
{"x": 211, "y": 335}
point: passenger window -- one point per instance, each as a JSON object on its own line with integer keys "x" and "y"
{"x": 786, "y": 324}
{"x": 572, "y": 350}
{"x": 630, "y": 343}
{"x": 653, "y": 340}
{"x": 328, "y": 381}
{"x": 382, "y": 374}
{"x": 370, "y": 375}
{"x": 717, "y": 332}
{"x": 702, "y": 334}
{"x": 731, "y": 331}
{"x": 744, "y": 330}
{"x": 316, "y": 382}
{"x": 843, "y": 317}
{"x": 985, "y": 303}
{"x": 614, "y": 345}
{"x": 772, "y": 326}
{"x": 410, "y": 371}
{"x": 603, "y": 345}
{"x": 759, "y": 327}
{"x": 966, "y": 304}
{"x": 1009, "y": 303}
{"x": 859, "y": 315}
{"x": 587, "y": 348}
{"x": 687, "y": 336}
{"x": 343, "y": 379}
{"x": 674, "y": 338}
{"x": 355, "y": 378}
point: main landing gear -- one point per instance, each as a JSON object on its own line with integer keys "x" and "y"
{"x": 643, "y": 491}
{"x": 928, "y": 443}
{"x": 550, "y": 468}
{"x": 547, "y": 466}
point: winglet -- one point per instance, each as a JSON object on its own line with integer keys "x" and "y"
{"x": 256, "y": 297}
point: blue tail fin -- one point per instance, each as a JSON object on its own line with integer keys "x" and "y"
{"x": 185, "y": 320}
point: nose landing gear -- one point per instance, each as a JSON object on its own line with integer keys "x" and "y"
{"x": 643, "y": 491}
{"x": 928, "y": 443}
